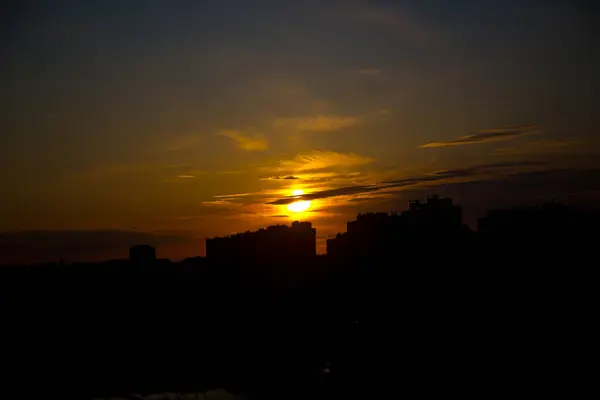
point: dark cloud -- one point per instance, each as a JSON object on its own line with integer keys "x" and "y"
{"x": 556, "y": 182}
{"x": 343, "y": 191}
{"x": 366, "y": 199}
{"x": 279, "y": 178}
{"x": 488, "y": 135}
{"x": 437, "y": 176}
{"x": 463, "y": 172}
{"x": 36, "y": 246}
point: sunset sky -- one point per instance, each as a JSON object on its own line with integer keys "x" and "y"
{"x": 171, "y": 121}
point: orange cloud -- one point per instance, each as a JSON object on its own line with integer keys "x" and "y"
{"x": 245, "y": 141}
{"x": 477, "y": 172}
{"x": 216, "y": 203}
{"x": 320, "y": 123}
{"x": 319, "y": 160}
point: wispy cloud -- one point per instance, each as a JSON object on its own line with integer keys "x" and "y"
{"x": 216, "y": 203}
{"x": 232, "y": 195}
{"x": 474, "y": 172}
{"x": 315, "y": 124}
{"x": 237, "y": 199}
{"x": 320, "y": 176}
{"x": 320, "y": 160}
{"x": 185, "y": 176}
{"x": 245, "y": 141}
{"x": 343, "y": 191}
{"x": 462, "y": 172}
{"x": 317, "y": 166}
{"x": 488, "y": 135}
{"x": 280, "y": 178}
{"x": 545, "y": 147}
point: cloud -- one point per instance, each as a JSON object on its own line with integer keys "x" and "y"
{"x": 572, "y": 186}
{"x": 370, "y": 71}
{"x": 314, "y": 177}
{"x": 245, "y": 141}
{"x": 320, "y": 160}
{"x": 280, "y": 178}
{"x": 561, "y": 147}
{"x": 320, "y": 123}
{"x": 216, "y": 203}
{"x": 459, "y": 173}
{"x": 226, "y": 196}
{"x": 316, "y": 166}
{"x": 237, "y": 199}
{"x": 185, "y": 176}
{"x": 343, "y": 191}
{"x": 369, "y": 197}
{"x": 488, "y": 135}
{"x": 438, "y": 176}
{"x": 78, "y": 245}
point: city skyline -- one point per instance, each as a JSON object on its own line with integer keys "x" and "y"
{"x": 171, "y": 123}
{"x": 431, "y": 219}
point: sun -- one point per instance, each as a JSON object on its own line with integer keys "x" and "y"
{"x": 298, "y": 206}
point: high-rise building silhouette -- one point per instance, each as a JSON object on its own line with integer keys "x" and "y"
{"x": 435, "y": 221}
{"x": 436, "y": 213}
{"x": 277, "y": 243}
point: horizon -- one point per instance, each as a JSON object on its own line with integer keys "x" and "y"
{"x": 151, "y": 241}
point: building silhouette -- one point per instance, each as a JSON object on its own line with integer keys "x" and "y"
{"x": 437, "y": 221}
{"x": 142, "y": 254}
{"x": 417, "y": 274}
{"x": 274, "y": 243}
{"x": 436, "y": 214}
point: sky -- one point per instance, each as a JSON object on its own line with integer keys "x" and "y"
{"x": 169, "y": 122}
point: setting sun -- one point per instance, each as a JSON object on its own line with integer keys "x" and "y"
{"x": 298, "y": 206}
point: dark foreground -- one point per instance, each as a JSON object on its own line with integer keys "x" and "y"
{"x": 429, "y": 324}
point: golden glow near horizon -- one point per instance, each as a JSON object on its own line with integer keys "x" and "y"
{"x": 298, "y": 206}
